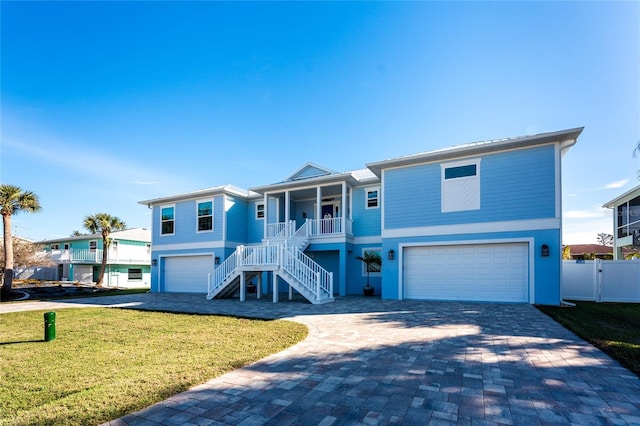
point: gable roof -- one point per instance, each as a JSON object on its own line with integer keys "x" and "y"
{"x": 565, "y": 137}
{"x": 201, "y": 193}
{"x": 629, "y": 195}
{"x": 309, "y": 170}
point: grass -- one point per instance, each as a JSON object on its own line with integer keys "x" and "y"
{"x": 612, "y": 327}
{"x": 108, "y": 362}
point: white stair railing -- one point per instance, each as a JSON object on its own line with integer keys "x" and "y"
{"x": 300, "y": 238}
{"x": 223, "y": 271}
{"x": 307, "y": 272}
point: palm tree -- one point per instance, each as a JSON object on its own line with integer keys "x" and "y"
{"x": 13, "y": 200}
{"x": 372, "y": 261}
{"x": 104, "y": 224}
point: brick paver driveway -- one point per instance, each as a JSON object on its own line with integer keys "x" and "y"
{"x": 369, "y": 361}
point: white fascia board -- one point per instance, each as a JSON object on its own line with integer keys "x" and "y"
{"x": 203, "y": 193}
{"x": 566, "y": 138}
{"x": 474, "y": 228}
{"x": 627, "y": 196}
{"x": 189, "y": 246}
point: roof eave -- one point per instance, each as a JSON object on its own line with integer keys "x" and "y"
{"x": 305, "y": 183}
{"x": 611, "y": 204}
{"x": 208, "y": 192}
{"x": 566, "y": 137}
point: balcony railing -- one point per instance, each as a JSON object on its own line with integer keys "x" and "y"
{"x": 95, "y": 256}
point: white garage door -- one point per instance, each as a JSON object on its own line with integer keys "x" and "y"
{"x": 187, "y": 274}
{"x": 474, "y": 272}
{"x": 83, "y": 273}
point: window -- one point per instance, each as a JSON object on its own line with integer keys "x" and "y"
{"x": 55, "y": 246}
{"x": 205, "y": 216}
{"x": 134, "y": 274}
{"x": 628, "y": 218}
{"x": 93, "y": 245}
{"x": 461, "y": 186}
{"x": 167, "y": 219}
{"x": 372, "y": 198}
{"x": 66, "y": 246}
{"x": 259, "y": 210}
{"x": 373, "y": 269}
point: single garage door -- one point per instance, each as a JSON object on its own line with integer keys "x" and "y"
{"x": 187, "y": 274}
{"x": 474, "y": 272}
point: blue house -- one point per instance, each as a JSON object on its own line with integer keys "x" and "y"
{"x": 475, "y": 222}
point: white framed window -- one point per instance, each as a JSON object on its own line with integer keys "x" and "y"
{"x": 372, "y": 198}
{"x": 460, "y": 185}
{"x": 93, "y": 245}
{"x": 204, "y": 211}
{"x": 55, "y": 246}
{"x": 260, "y": 210}
{"x": 374, "y": 270}
{"x": 67, "y": 246}
{"x": 134, "y": 274}
{"x": 167, "y": 220}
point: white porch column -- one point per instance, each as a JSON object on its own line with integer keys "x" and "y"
{"x": 286, "y": 206}
{"x": 344, "y": 207}
{"x": 275, "y": 287}
{"x": 259, "y": 287}
{"x": 243, "y": 286}
{"x": 318, "y": 203}
{"x": 266, "y": 213}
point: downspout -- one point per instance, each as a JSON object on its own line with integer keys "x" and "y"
{"x": 560, "y": 153}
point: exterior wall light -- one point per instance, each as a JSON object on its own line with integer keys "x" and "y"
{"x": 154, "y": 262}
{"x": 544, "y": 250}
{"x": 391, "y": 255}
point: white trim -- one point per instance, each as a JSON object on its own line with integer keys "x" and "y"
{"x": 203, "y": 200}
{"x": 474, "y": 228}
{"x": 558, "y": 178}
{"x": 191, "y": 246}
{"x": 531, "y": 251}
{"x": 367, "y": 240}
{"x": 256, "y": 204}
{"x": 90, "y": 241}
{"x": 164, "y": 206}
{"x": 455, "y": 182}
{"x": 382, "y": 201}
{"x": 366, "y": 197}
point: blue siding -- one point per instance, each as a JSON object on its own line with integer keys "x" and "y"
{"x": 185, "y": 223}
{"x": 237, "y": 212}
{"x": 366, "y": 222}
{"x": 255, "y": 227}
{"x": 514, "y": 185}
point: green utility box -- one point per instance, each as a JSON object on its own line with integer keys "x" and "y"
{"x": 49, "y": 326}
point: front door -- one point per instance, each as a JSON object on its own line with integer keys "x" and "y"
{"x": 329, "y": 211}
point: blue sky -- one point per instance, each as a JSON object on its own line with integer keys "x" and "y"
{"x": 104, "y": 104}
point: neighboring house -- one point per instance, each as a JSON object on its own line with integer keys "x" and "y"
{"x": 476, "y": 222}
{"x": 581, "y": 251}
{"x": 79, "y": 258}
{"x": 626, "y": 221}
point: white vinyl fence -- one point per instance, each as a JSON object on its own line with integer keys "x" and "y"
{"x": 601, "y": 280}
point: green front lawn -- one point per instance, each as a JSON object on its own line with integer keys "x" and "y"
{"x": 108, "y": 362}
{"x": 612, "y": 327}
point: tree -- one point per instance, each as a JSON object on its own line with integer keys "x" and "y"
{"x": 605, "y": 239}
{"x": 566, "y": 253}
{"x": 13, "y": 200}
{"x": 76, "y": 233}
{"x": 27, "y": 254}
{"x": 372, "y": 261}
{"x": 103, "y": 224}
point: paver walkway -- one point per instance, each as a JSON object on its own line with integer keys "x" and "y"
{"x": 370, "y": 361}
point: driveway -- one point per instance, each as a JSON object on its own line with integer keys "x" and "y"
{"x": 369, "y": 361}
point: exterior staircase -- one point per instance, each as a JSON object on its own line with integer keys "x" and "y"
{"x": 282, "y": 254}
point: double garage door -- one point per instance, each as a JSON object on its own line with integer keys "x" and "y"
{"x": 187, "y": 274}
{"x": 473, "y": 272}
